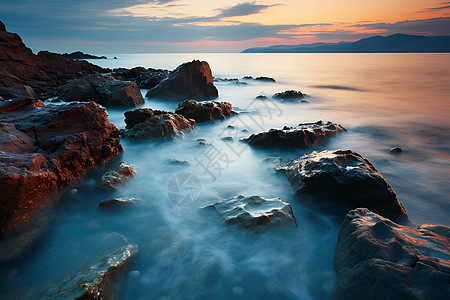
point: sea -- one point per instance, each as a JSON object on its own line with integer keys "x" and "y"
{"x": 188, "y": 252}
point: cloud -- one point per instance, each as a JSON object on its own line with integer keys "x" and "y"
{"x": 433, "y": 26}
{"x": 242, "y": 9}
{"x": 444, "y": 6}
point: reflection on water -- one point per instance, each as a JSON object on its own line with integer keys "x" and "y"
{"x": 384, "y": 100}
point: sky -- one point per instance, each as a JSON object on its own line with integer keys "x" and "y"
{"x": 153, "y": 26}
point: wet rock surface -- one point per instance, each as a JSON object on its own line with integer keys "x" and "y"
{"x": 254, "y": 212}
{"x": 376, "y": 258}
{"x": 345, "y": 177}
{"x": 102, "y": 90}
{"x": 289, "y": 95}
{"x": 113, "y": 179}
{"x": 192, "y": 80}
{"x": 44, "y": 148}
{"x": 205, "y": 111}
{"x": 305, "y": 135}
{"x": 145, "y": 123}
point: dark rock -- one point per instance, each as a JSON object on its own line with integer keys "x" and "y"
{"x": 254, "y": 212}
{"x": 289, "y": 95}
{"x": 248, "y": 77}
{"x": 229, "y": 80}
{"x": 204, "y": 111}
{"x": 113, "y": 179}
{"x": 44, "y": 148}
{"x": 396, "y": 150}
{"x": 18, "y": 66}
{"x": 144, "y": 78}
{"x": 261, "y": 97}
{"x": 116, "y": 203}
{"x": 376, "y": 258}
{"x": 115, "y": 57}
{"x": 305, "y": 135}
{"x": 192, "y": 80}
{"x": 81, "y": 55}
{"x": 17, "y": 91}
{"x": 145, "y": 123}
{"x": 105, "y": 91}
{"x": 345, "y": 177}
{"x": 263, "y": 78}
{"x": 227, "y": 139}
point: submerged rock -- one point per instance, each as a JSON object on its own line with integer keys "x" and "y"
{"x": 192, "y": 80}
{"x": 273, "y": 161}
{"x": 144, "y": 78}
{"x": 44, "y": 148}
{"x": 376, "y": 258}
{"x": 289, "y": 95}
{"x": 346, "y": 177}
{"x": 254, "y": 212}
{"x": 396, "y": 150}
{"x": 105, "y": 91}
{"x": 261, "y": 97}
{"x": 115, "y": 203}
{"x": 204, "y": 111}
{"x": 113, "y": 179}
{"x": 305, "y": 135}
{"x": 145, "y": 123}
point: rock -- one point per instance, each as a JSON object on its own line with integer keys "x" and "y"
{"x": 261, "y": 97}
{"x": 19, "y": 66}
{"x": 396, "y": 150}
{"x": 254, "y": 212}
{"x": 44, "y": 148}
{"x": 438, "y": 229}
{"x": 204, "y": 111}
{"x": 229, "y": 80}
{"x": 305, "y": 135}
{"x": 81, "y": 55}
{"x": 145, "y": 123}
{"x": 289, "y": 95}
{"x": 113, "y": 179}
{"x": 17, "y": 91}
{"x": 345, "y": 177}
{"x": 263, "y": 78}
{"x": 144, "y": 78}
{"x": 192, "y": 80}
{"x": 116, "y": 203}
{"x": 105, "y": 91}
{"x": 178, "y": 162}
{"x": 376, "y": 258}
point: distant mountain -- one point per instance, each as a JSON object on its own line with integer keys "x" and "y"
{"x": 376, "y": 44}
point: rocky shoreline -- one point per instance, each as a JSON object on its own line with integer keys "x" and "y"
{"x": 45, "y": 148}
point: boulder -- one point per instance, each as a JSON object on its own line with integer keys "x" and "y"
{"x": 17, "y": 91}
{"x": 113, "y": 179}
{"x": 192, "y": 80}
{"x": 376, "y": 258}
{"x": 289, "y": 95}
{"x": 254, "y": 212}
{"x": 145, "y": 123}
{"x": 105, "y": 91}
{"x": 345, "y": 177}
{"x": 204, "y": 111}
{"x": 116, "y": 203}
{"x": 305, "y": 135}
{"x": 396, "y": 150}
{"x": 44, "y": 148}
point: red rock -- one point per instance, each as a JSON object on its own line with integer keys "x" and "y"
{"x": 204, "y": 111}
{"x": 192, "y": 80}
{"x": 44, "y": 148}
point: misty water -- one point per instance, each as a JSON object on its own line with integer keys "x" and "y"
{"x": 383, "y": 100}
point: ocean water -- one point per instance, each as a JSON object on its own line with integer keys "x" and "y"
{"x": 383, "y": 100}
